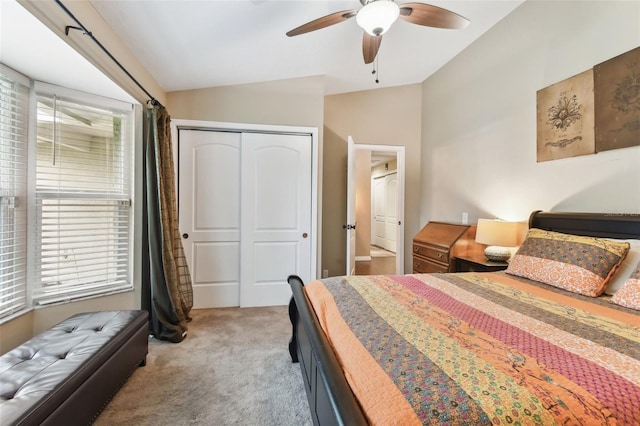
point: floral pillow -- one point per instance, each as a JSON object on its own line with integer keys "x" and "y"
{"x": 629, "y": 294}
{"x": 575, "y": 263}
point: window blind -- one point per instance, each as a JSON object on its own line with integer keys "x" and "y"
{"x": 14, "y": 103}
{"x": 83, "y": 208}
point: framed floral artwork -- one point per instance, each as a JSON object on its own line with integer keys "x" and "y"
{"x": 565, "y": 118}
{"x": 617, "y": 102}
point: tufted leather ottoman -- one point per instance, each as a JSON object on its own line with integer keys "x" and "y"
{"x": 67, "y": 374}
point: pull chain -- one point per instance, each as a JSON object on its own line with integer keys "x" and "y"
{"x": 376, "y": 69}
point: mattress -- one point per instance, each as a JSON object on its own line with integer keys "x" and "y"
{"x": 480, "y": 348}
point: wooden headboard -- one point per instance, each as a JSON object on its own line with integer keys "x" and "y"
{"x": 608, "y": 225}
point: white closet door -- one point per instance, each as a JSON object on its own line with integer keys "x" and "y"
{"x": 379, "y": 205}
{"x": 391, "y": 211}
{"x": 275, "y": 216}
{"x": 209, "y": 212}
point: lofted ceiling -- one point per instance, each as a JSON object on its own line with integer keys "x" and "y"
{"x": 29, "y": 47}
{"x": 195, "y": 44}
{"x": 187, "y": 44}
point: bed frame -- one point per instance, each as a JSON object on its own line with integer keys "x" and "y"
{"x": 330, "y": 398}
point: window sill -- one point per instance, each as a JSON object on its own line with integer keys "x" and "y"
{"x": 84, "y": 298}
{"x": 15, "y": 315}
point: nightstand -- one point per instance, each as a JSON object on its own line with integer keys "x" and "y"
{"x": 478, "y": 263}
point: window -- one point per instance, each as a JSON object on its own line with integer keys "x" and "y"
{"x": 65, "y": 194}
{"x": 82, "y": 235}
{"x": 14, "y": 101}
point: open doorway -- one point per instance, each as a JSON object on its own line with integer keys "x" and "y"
{"x": 384, "y": 216}
{"x": 379, "y": 195}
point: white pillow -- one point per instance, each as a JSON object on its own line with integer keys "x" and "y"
{"x": 626, "y": 268}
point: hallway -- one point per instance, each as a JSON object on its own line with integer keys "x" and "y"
{"x": 382, "y": 262}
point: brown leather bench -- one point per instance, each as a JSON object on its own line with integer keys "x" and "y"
{"x": 67, "y": 374}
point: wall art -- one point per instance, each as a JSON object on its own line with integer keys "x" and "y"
{"x": 617, "y": 102}
{"x": 565, "y": 118}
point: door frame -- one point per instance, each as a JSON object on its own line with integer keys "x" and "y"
{"x": 400, "y": 157}
{"x": 316, "y": 238}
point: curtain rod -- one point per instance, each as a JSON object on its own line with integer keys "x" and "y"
{"x": 153, "y": 101}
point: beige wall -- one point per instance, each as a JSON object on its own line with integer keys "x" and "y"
{"x": 295, "y": 102}
{"x": 390, "y": 116}
{"x": 479, "y": 117}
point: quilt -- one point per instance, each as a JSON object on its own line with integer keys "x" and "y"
{"x": 481, "y": 348}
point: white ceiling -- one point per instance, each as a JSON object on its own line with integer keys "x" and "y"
{"x": 28, "y": 46}
{"x": 189, "y": 44}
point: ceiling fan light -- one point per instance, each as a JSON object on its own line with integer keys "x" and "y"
{"x": 377, "y": 16}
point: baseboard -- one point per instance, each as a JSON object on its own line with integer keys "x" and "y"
{"x": 363, "y": 258}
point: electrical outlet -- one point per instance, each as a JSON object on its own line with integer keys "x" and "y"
{"x": 325, "y": 273}
{"x": 465, "y": 218}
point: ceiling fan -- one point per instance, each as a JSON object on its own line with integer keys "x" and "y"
{"x": 376, "y": 17}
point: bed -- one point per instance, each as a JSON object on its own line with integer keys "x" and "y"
{"x": 509, "y": 347}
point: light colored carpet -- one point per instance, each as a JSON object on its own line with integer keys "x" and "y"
{"x": 380, "y": 252}
{"x": 232, "y": 369}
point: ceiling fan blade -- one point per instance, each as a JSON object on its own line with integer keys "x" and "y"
{"x": 370, "y": 46}
{"x": 325, "y": 21}
{"x": 432, "y": 16}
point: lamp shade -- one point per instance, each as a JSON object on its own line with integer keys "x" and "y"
{"x": 377, "y": 16}
{"x": 497, "y": 233}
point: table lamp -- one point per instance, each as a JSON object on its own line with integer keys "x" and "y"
{"x": 500, "y": 236}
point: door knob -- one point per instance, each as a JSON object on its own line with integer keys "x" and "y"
{"x": 185, "y": 235}
{"x": 305, "y": 235}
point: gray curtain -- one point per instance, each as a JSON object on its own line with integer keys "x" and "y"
{"x": 166, "y": 289}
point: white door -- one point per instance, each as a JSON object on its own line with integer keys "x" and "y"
{"x": 350, "y": 226}
{"x": 379, "y": 207}
{"x": 245, "y": 215}
{"x": 209, "y": 214}
{"x": 275, "y": 216}
{"x": 390, "y": 211}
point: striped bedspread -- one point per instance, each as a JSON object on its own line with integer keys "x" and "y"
{"x": 481, "y": 348}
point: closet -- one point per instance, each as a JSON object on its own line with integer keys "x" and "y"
{"x": 245, "y": 213}
{"x": 384, "y": 196}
